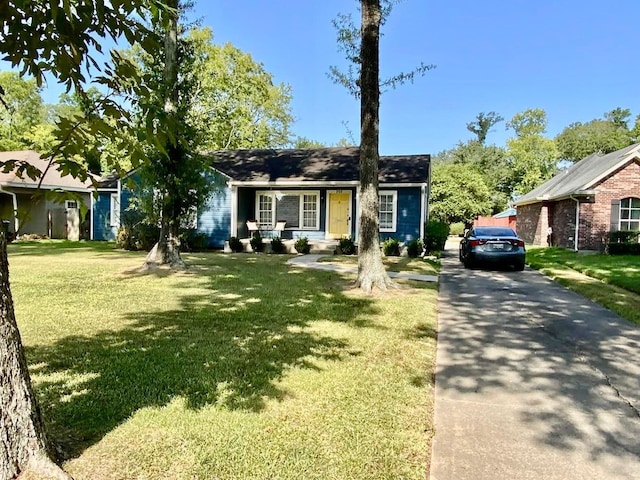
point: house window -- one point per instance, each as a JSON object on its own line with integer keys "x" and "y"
{"x": 299, "y": 209}
{"x": 388, "y": 211}
{"x": 630, "y": 214}
{"x": 70, "y": 204}
{"x": 265, "y": 211}
{"x": 310, "y": 211}
{"x": 114, "y": 210}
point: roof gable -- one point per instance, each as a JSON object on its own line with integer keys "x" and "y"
{"x": 334, "y": 164}
{"x": 581, "y": 176}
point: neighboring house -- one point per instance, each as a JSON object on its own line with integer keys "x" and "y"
{"x": 583, "y": 203}
{"x": 502, "y": 219}
{"x": 314, "y": 192}
{"x": 54, "y": 210}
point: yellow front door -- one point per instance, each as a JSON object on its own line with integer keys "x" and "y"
{"x": 339, "y": 215}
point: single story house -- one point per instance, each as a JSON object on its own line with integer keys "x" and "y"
{"x": 293, "y": 193}
{"x": 579, "y": 206}
{"x": 53, "y": 210}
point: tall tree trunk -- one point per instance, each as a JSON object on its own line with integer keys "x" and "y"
{"x": 167, "y": 250}
{"x": 23, "y": 444}
{"x": 371, "y": 272}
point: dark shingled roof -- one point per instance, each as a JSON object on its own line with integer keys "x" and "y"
{"x": 581, "y": 176}
{"x": 335, "y": 164}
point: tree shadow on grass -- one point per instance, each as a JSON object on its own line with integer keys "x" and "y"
{"x": 227, "y": 346}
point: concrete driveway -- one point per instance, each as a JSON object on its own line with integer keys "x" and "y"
{"x": 532, "y": 381}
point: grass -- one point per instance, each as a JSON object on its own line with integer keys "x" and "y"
{"x": 392, "y": 264}
{"x": 240, "y": 368}
{"x": 610, "y": 280}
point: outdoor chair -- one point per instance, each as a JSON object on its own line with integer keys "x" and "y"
{"x": 252, "y": 227}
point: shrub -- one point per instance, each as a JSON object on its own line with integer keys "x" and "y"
{"x": 346, "y": 246}
{"x": 193, "y": 241}
{"x": 414, "y": 249}
{"x": 302, "y": 245}
{"x": 277, "y": 246}
{"x": 256, "y": 242}
{"x": 623, "y": 236}
{"x": 235, "y": 245}
{"x": 140, "y": 236}
{"x": 624, "y": 248}
{"x": 456, "y": 228}
{"x": 391, "y": 247}
{"x": 435, "y": 236}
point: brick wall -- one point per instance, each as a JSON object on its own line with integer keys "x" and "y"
{"x": 529, "y": 227}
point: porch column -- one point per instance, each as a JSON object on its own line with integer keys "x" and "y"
{"x": 234, "y": 211}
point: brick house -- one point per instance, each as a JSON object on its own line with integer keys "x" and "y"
{"x": 582, "y": 204}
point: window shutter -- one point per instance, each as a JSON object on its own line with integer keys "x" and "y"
{"x": 614, "y": 221}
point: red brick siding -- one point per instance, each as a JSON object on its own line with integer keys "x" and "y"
{"x": 529, "y": 227}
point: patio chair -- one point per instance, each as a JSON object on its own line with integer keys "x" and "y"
{"x": 279, "y": 228}
{"x": 252, "y": 226}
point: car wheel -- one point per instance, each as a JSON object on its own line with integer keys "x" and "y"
{"x": 519, "y": 266}
{"x": 468, "y": 263}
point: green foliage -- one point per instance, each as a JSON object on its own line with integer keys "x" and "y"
{"x": 277, "y": 245}
{"x": 235, "y": 245}
{"x": 624, "y": 236}
{"x": 482, "y": 125}
{"x": 627, "y": 248}
{"x": 193, "y": 241}
{"x": 531, "y": 122}
{"x": 415, "y": 248}
{"x": 607, "y": 135}
{"x": 456, "y": 228}
{"x": 22, "y": 112}
{"x": 256, "y": 242}
{"x": 238, "y": 102}
{"x": 491, "y": 162}
{"x": 391, "y": 247}
{"x": 346, "y": 246}
{"x": 140, "y": 236}
{"x": 302, "y": 245}
{"x": 458, "y": 193}
{"x": 435, "y": 236}
{"x": 533, "y": 161}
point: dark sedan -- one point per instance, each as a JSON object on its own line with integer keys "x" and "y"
{"x": 495, "y": 245}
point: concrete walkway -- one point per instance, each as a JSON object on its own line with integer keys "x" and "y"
{"x": 532, "y": 381}
{"x": 312, "y": 261}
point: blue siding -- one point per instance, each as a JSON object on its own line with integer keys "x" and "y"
{"x": 215, "y": 220}
{"x": 408, "y": 215}
{"x": 102, "y": 230}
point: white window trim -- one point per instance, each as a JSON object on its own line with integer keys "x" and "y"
{"x": 300, "y": 194}
{"x": 629, "y": 220}
{"x": 114, "y": 210}
{"x": 394, "y": 194}
{"x": 273, "y": 209}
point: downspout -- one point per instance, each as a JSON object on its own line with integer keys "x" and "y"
{"x": 577, "y": 229}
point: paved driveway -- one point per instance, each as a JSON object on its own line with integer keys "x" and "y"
{"x": 532, "y": 381}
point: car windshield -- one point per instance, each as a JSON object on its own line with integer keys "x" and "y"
{"x": 494, "y": 232}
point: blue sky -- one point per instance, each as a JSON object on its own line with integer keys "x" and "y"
{"x": 576, "y": 59}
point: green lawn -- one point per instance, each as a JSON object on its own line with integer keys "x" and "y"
{"x": 392, "y": 264}
{"x": 240, "y": 368}
{"x": 611, "y": 280}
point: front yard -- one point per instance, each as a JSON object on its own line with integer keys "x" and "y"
{"x": 240, "y": 368}
{"x": 611, "y": 280}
